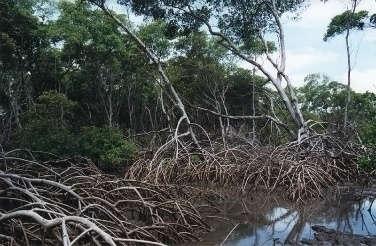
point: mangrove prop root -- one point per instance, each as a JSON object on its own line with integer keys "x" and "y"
{"x": 301, "y": 169}
{"x": 71, "y": 202}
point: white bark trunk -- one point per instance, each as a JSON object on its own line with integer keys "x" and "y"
{"x": 166, "y": 82}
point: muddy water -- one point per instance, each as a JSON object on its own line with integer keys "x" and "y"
{"x": 271, "y": 220}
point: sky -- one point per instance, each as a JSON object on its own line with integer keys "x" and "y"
{"x": 307, "y": 53}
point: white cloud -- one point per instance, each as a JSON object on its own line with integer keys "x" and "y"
{"x": 300, "y": 63}
{"x": 330, "y": 57}
{"x": 362, "y": 80}
{"x": 370, "y": 36}
{"x": 319, "y": 14}
{"x": 308, "y": 57}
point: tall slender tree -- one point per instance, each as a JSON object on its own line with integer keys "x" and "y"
{"x": 344, "y": 23}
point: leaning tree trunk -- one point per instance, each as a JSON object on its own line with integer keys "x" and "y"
{"x": 289, "y": 98}
{"x": 166, "y": 81}
{"x": 295, "y": 112}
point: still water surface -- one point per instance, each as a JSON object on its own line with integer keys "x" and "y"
{"x": 273, "y": 221}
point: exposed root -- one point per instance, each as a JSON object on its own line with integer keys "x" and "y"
{"x": 70, "y": 202}
{"x": 301, "y": 169}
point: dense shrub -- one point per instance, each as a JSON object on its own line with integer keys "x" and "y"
{"x": 45, "y": 126}
{"x": 106, "y": 146}
{"x": 369, "y": 134}
{"x": 368, "y": 161}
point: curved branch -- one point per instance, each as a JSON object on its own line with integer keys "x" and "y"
{"x": 247, "y": 117}
{"x": 45, "y": 223}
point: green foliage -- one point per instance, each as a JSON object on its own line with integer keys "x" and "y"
{"x": 47, "y": 128}
{"x": 242, "y": 21}
{"x": 324, "y": 100}
{"x": 322, "y": 97}
{"x": 19, "y": 34}
{"x": 373, "y": 20}
{"x": 363, "y": 112}
{"x": 46, "y": 138}
{"x": 108, "y": 74}
{"x": 109, "y": 84}
{"x": 24, "y": 52}
{"x": 46, "y": 125}
{"x": 368, "y": 161}
{"x": 155, "y": 37}
{"x": 369, "y": 134}
{"x": 240, "y": 94}
{"x": 106, "y": 146}
{"x": 198, "y": 69}
{"x": 22, "y": 36}
{"x": 79, "y": 25}
{"x": 346, "y": 21}
{"x": 54, "y": 106}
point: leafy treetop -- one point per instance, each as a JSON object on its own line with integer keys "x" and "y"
{"x": 346, "y": 21}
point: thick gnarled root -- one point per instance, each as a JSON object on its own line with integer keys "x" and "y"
{"x": 71, "y": 202}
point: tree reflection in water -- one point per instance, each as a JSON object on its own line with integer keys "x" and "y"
{"x": 271, "y": 220}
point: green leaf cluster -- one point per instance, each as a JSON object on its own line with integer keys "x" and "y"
{"x": 46, "y": 125}
{"x": 346, "y": 21}
{"x": 106, "y": 146}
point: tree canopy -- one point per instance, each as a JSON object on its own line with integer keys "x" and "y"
{"x": 347, "y": 20}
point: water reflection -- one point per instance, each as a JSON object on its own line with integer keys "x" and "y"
{"x": 272, "y": 221}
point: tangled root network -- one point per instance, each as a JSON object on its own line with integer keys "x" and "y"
{"x": 301, "y": 169}
{"x": 71, "y": 202}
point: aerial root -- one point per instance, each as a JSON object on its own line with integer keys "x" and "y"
{"x": 71, "y": 202}
{"x": 301, "y": 169}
